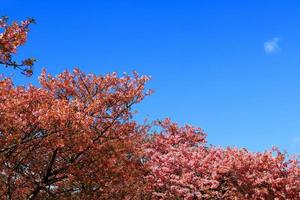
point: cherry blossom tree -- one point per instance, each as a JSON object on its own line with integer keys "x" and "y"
{"x": 183, "y": 166}
{"x": 71, "y": 138}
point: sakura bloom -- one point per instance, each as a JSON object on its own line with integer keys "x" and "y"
{"x": 74, "y": 137}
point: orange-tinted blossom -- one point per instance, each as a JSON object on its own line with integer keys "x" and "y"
{"x": 11, "y": 37}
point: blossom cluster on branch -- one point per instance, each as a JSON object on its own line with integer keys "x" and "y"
{"x": 11, "y": 37}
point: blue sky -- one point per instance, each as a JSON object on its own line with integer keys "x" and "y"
{"x": 230, "y": 67}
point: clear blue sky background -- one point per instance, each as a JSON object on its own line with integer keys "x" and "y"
{"x": 206, "y": 58}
